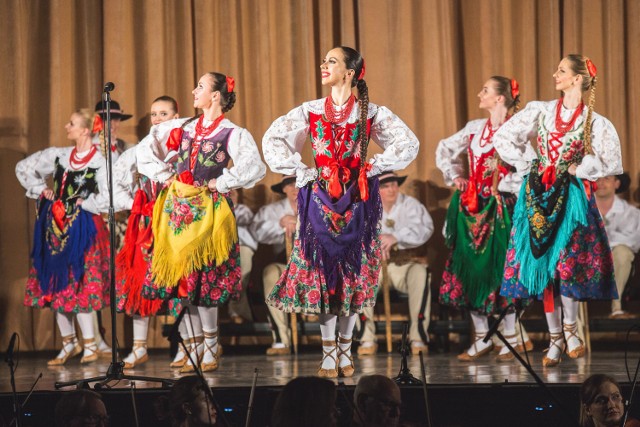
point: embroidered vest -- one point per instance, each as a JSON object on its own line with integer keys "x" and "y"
{"x": 336, "y": 149}
{"x": 212, "y": 156}
{"x": 69, "y": 185}
{"x": 556, "y": 149}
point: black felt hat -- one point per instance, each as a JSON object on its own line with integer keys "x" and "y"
{"x": 286, "y": 180}
{"x": 116, "y": 111}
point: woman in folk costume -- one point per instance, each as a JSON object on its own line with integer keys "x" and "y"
{"x": 479, "y": 217}
{"x": 334, "y": 266}
{"x": 137, "y": 193}
{"x": 196, "y": 252}
{"x": 558, "y": 249}
{"x": 70, "y": 271}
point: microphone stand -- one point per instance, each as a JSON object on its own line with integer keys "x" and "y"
{"x": 405, "y": 377}
{"x": 115, "y": 372}
{"x": 17, "y": 410}
{"x": 494, "y": 330}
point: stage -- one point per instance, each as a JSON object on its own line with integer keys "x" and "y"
{"x": 479, "y": 393}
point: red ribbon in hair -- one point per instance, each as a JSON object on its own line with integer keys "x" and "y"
{"x": 231, "y": 83}
{"x": 97, "y": 124}
{"x": 592, "y": 68}
{"x": 361, "y": 75}
{"x": 515, "y": 89}
{"x": 173, "y": 143}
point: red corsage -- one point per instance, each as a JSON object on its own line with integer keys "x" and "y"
{"x": 231, "y": 84}
{"x": 361, "y": 76}
{"x": 97, "y": 124}
{"x": 186, "y": 177}
{"x": 515, "y": 89}
{"x": 591, "y": 67}
{"x": 173, "y": 143}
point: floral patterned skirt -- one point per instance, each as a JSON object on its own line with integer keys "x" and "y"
{"x": 304, "y": 289}
{"x": 584, "y": 269}
{"x": 210, "y": 286}
{"x": 452, "y": 292}
{"x": 452, "y": 295}
{"x": 90, "y": 293}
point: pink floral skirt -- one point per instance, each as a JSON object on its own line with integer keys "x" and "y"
{"x": 84, "y": 296}
{"x": 304, "y": 289}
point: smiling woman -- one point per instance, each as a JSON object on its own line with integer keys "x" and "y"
{"x": 334, "y": 265}
{"x": 559, "y": 250}
{"x": 196, "y": 252}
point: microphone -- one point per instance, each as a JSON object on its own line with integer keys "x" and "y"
{"x": 496, "y": 324}
{"x": 9, "y": 356}
{"x": 174, "y": 328}
{"x": 109, "y": 86}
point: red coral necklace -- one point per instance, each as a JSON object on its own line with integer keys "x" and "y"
{"x": 334, "y": 116}
{"x": 562, "y": 126}
{"x": 76, "y": 162}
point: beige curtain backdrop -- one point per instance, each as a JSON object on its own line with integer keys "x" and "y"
{"x": 426, "y": 60}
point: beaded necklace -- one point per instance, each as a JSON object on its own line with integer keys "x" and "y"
{"x": 334, "y": 116}
{"x": 562, "y": 126}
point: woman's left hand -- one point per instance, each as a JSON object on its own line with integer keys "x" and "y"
{"x": 79, "y": 201}
{"x": 212, "y": 185}
{"x": 572, "y": 169}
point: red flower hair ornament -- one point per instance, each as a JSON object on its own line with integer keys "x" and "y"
{"x": 97, "y": 124}
{"x": 591, "y": 67}
{"x": 515, "y": 89}
{"x": 231, "y": 84}
{"x": 361, "y": 75}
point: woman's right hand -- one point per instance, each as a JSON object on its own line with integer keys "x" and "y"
{"x": 47, "y": 193}
{"x": 461, "y": 183}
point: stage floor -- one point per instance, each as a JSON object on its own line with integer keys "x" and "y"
{"x": 236, "y": 369}
{"x": 483, "y": 392}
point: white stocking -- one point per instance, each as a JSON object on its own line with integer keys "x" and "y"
{"x": 481, "y": 327}
{"x": 65, "y": 324}
{"x": 328, "y": 331}
{"x": 346, "y": 324}
{"x": 85, "y": 320}
{"x": 209, "y": 319}
{"x": 140, "y": 328}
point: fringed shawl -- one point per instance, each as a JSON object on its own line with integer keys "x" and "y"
{"x": 59, "y": 251}
{"x": 479, "y": 245}
{"x": 545, "y": 220}
{"x": 192, "y": 228}
{"x": 132, "y": 261}
{"x": 334, "y": 234}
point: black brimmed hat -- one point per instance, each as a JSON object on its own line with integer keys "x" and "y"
{"x": 391, "y": 176}
{"x": 116, "y": 111}
{"x": 286, "y": 180}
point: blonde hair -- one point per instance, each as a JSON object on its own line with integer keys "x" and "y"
{"x": 579, "y": 66}
{"x": 87, "y": 117}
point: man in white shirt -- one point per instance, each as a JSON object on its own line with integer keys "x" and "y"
{"x": 405, "y": 225}
{"x": 239, "y": 311}
{"x": 270, "y": 226}
{"x": 622, "y": 222}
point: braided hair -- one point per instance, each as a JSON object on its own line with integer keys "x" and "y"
{"x": 228, "y": 99}
{"x": 578, "y": 64}
{"x": 355, "y": 62}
